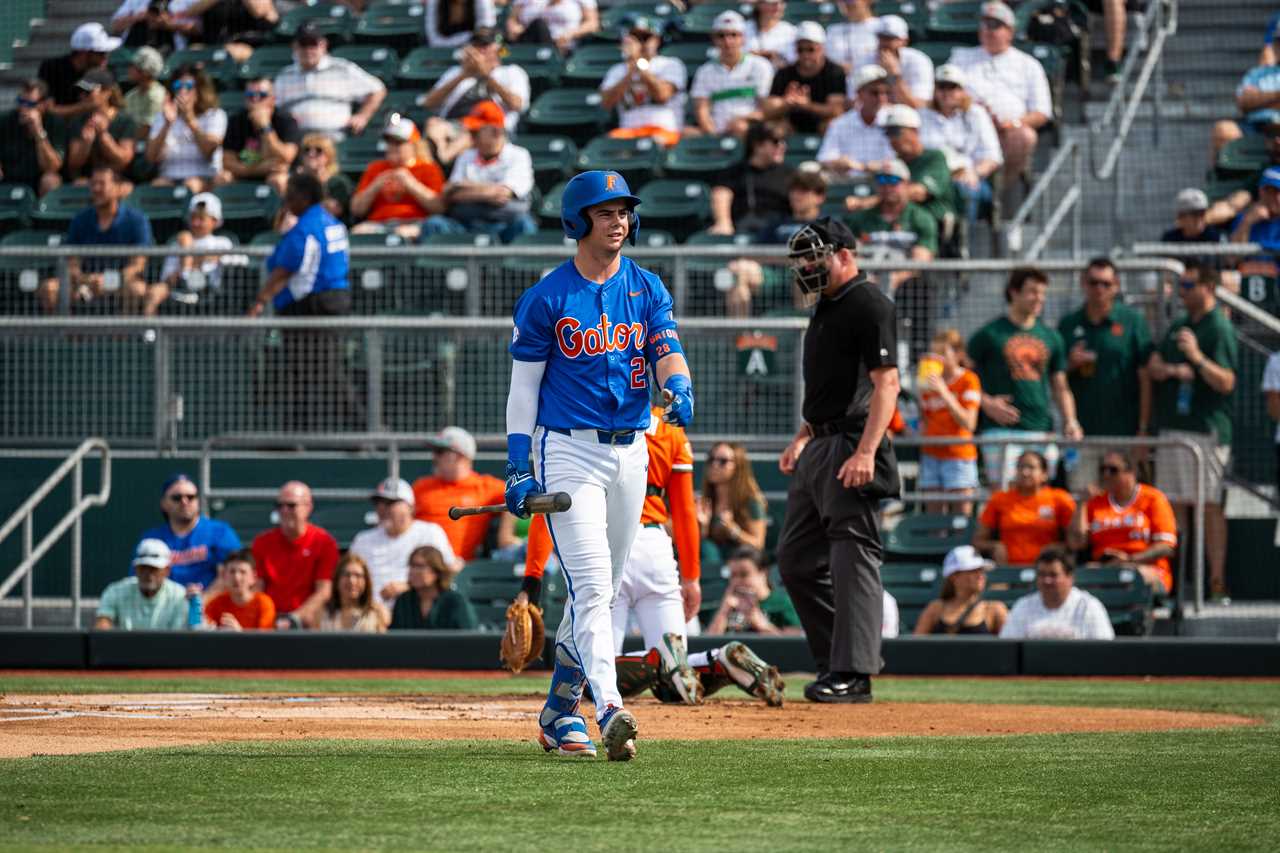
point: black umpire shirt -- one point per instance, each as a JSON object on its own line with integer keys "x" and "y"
{"x": 850, "y": 334}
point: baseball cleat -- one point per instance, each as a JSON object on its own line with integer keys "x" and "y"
{"x": 618, "y": 729}
{"x": 752, "y": 674}
{"x": 567, "y": 735}
{"x": 675, "y": 672}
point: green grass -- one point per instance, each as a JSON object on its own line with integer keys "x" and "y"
{"x": 1215, "y": 790}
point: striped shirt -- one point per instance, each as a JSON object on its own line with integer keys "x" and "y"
{"x": 1010, "y": 84}
{"x": 512, "y": 168}
{"x": 850, "y": 136}
{"x": 182, "y": 158}
{"x": 1081, "y": 617}
{"x": 969, "y": 135}
{"x": 130, "y": 610}
{"x": 324, "y": 98}
{"x": 733, "y": 91}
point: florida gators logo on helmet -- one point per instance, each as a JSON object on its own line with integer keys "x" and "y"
{"x": 591, "y": 188}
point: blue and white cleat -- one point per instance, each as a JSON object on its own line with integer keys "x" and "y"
{"x": 618, "y": 729}
{"x": 567, "y": 735}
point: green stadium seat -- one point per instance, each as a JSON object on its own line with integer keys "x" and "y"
{"x": 380, "y": 60}
{"x": 912, "y": 586}
{"x": 21, "y": 277}
{"x": 1007, "y": 584}
{"x": 266, "y": 61}
{"x": 16, "y": 203}
{"x": 575, "y": 113}
{"x": 215, "y": 61}
{"x": 617, "y": 17}
{"x": 264, "y": 238}
{"x": 343, "y": 519}
{"x": 247, "y": 518}
{"x": 709, "y": 278}
{"x": 553, "y": 157}
{"x": 1219, "y": 188}
{"x": 702, "y": 156}
{"x": 926, "y": 536}
{"x": 955, "y": 21}
{"x": 247, "y": 208}
{"x": 914, "y": 12}
{"x": 355, "y": 153}
{"x": 1242, "y": 157}
{"x": 714, "y": 582}
{"x": 440, "y": 284}
{"x": 541, "y": 62}
{"x": 678, "y": 206}
{"x": 825, "y": 13}
{"x": 589, "y": 63}
{"x": 490, "y": 586}
{"x": 636, "y": 159}
{"x": 56, "y": 208}
{"x": 548, "y": 210}
{"x": 424, "y": 66}
{"x": 697, "y": 22}
{"x": 376, "y": 283}
{"x": 694, "y": 54}
{"x": 801, "y": 148}
{"x": 334, "y": 20}
{"x": 118, "y": 62}
{"x": 231, "y": 101}
{"x": 166, "y": 207}
{"x": 398, "y": 25}
{"x": 940, "y": 51}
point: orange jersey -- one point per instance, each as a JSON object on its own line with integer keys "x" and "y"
{"x": 1146, "y": 521}
{"x": 259, "y": 614}
{"x": 669, "y": 451}
{"x": 394, "y": 202}
{"x": 939, "y": 421}
{"x": 1027, "y": 524}
{"x": 433, "y": 496}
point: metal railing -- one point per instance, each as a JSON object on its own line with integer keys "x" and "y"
{"x": 1070, "y": 154}
{"x": 80, "y": 503}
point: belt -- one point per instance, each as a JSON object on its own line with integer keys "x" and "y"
{"x": 839, "y": 425}
{"x": 599, "y": 436}
{"x": 653, "y": 524}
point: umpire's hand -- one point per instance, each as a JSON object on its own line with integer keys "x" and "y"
{"x": 857, "y": 470}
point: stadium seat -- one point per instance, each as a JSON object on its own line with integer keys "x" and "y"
{"x": 825, "y": 13}
{"x": 440, "y": 284}
{"x": 697, "y": 22}
{"x": 575, "y": 113}
{"x": 247, "y": 518}
{"x": 266, "y": 61}
{"x": 1007, "y": 584}
{"x": 678, "y": 206}
{"x": 615, "y": 18}
{"x": 247, "y": 208}
{"x": 926, "y": 536}
{"x": 915, "y": 13}
{"x": 913, "y": 586}
{"x": 376, "y": 283}
{"x": 231, "y": 101}
{"x": 16, "y": 204}
{"x": 940, "y": 51}
{"x": 694, "y": 54}
{"x": 541, "y": 62}
{"x": 801, "y": 148}
{"x": 398, "y": 25}
{"x": 166, "y": 207}
{"x": 548, "y": 210}
{"x": 355, "y": 153}
{"x": 715, "y": 580}
{"x": 118, "y": 62}
{"x": 636, "y": 159}
{"x": 702, "y": 156}
{"x": 589, "y": 63}
{"x": 1123, "y": 592}
{"x": 332, "y": 19}
{"x": 380, "y": 60}
{"x": 343, "y": 519}
{"x": 709, "y": 278}
{"x": 21, "y": 277}
{"x": 56, "y": 208}
{"x": 490, "y": 585}
{"x": 1219, "y": 188}
{"x": 955, "y": 21}
{"x": 424, "y": 66}
{"x": 217, "y": 64}
{"x": 1242, "y": 157}
{"x": 553, "y": 157}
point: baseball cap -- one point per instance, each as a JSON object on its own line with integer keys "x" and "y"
{"x": 897, "y": 169}
{"x": 833, "y": 232}
{"x": 484, "y": 36}
{"x": 950, "y": 74}
{"x": 179, "y": 477}
{"x": 152, "y": 552}
{"x": 729, "y": 21}
{"x": 868, "y": 74}
{"x": 308, "y": 33}
{"x": 1270, "y": 178}
{"x": 485, "y": 114}
{"x": 1191, "y": 200}
{"x": 211, "y": 203}
{"x": 963, "y": 558}
{"x": 645, "y": 24}
{"x": 95, "y": 79}
{"x": 811, "y": 31}
{"x": 148, "y": 60}
{"x": 93, "y": 37}
{"x": 392, "y": 489}
{"x": 400, "y": 128}
{"x": 457, "y": 439}
{"x": 898, "y": 115}
{"x": 891, "y": 26}
{"x": 1000, "y": 12}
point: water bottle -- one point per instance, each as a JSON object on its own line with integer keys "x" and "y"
{"x": 1070, "y": 458}
{"x": 1184, "y": 398}
{"x": 195, "y": 612}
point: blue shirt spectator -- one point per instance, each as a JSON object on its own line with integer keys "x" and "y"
{"x": 1265, "y": 79}
{"x": 314, "y": 252}
{"x": 198, "y": 544}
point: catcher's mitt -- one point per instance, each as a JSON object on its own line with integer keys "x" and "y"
{"x": 524, "y": 637}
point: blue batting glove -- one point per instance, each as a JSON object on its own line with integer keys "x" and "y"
{"x": 679, "y": 394}
{"x": 520, "y": 479}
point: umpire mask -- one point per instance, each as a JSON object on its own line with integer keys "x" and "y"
{"x": 811, "y": 249}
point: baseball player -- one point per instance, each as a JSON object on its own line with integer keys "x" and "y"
{"x": 663, "y": 597}
{"x": 585, "y": 339}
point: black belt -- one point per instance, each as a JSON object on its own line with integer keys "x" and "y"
{"x": 604, "y": 436}
{"x": 836, "y": 427}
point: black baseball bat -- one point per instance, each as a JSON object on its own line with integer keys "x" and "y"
{"x": 552, "y": 502}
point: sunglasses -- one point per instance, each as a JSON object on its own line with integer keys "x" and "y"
{"x": 1101, "y": 282}
{"x": 946, "y": 85}
{"x": 776, "y": 140}
{"x": 27, "y": 103}
{"x": 894, "y": 131}
{"x": 183, "y": 496}
{"x": 888, "y": 180}
{"x": 809, "y": 48}
{"x": 726, "y": 35}
{"x": 287, "y": 504}
{"x": 183, "y": 85}
{"x": 1187, "y": 283}
{"x": 990, "y": 24}
{"x": 256, "y": 94}
{"x": 312, "y": 150}
{"x": 1110, "y": 469}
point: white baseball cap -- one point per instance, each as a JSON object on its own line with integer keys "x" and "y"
{"x": 891, "y": 26}
{"x": 868, "y": 74}
{"x": 729, "y": 21}
{"x": 1191, "y": 200}
{"x": 152, "y": 552}
{"x": 811, "y": 31}
{"x": 897, "y": 168}
{"x": 94, "y": 37}
{"x": 392, "y": 489}
{"x": 898, "y": 115}
{"x": 457, "y": 439}
{"x": 964, "y": 558}
{"x": 1000, "y": 12}
{"x": 212, "y": 205}
{"x": 399, "y": 127}
{"x": 952, "y": 74}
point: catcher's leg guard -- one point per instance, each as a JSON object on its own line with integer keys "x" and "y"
{"x": 674, "y": 673}
{"x": 750, "y": 673}
{"x": 636, "y": 673}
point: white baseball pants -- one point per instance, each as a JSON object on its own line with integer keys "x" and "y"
{"x": 651, "y": 588}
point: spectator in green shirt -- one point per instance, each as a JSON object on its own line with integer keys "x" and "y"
{"x": 930, "y": 185}
{"x": 431, "y": 603}
{"x": 1194, "y": 371}
{"x": 148, "y": 601}
{"x": 750, "y": 605}
{"x": 1021, "y": 363}
{"x": 1108, "y": 345}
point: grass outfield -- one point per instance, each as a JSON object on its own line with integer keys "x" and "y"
{"x": 1218, "y": 789}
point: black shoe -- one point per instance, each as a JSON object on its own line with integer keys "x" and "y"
{"x": 846, "y": 688}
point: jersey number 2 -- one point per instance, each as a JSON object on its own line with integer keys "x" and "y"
{"x": 637, "y": 372}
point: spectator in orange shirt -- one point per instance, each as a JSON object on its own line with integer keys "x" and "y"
{"x": 1127, "y": 522}
{"x": 950, "y": 396}
{"x": 295, "y": 560}
{"x": 241, "y": 607}
{"x": 399, "y": 191}
{"x": 1018, "y": 522}
{"x": 455, "y": 483}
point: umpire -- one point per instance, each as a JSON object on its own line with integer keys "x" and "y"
{"x": 842, "y": 464}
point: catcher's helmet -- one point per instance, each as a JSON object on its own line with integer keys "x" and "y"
{"x": 591, "y": 188}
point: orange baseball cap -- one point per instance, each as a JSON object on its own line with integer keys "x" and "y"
{"x": 485, "y": 114}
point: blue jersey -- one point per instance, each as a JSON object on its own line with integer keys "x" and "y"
{"x": 598, "y": 341}
{"x": 315, "y": 251}
{"x": 196, "y": 556}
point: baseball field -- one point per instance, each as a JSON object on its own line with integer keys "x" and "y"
{"x": 445, "y": 761}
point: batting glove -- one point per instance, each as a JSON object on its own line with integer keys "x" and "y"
{"x": 520, "y": 479}
{"x": 679, "y": 396}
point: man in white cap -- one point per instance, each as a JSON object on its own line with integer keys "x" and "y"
{"x": 729, "y": 90}
{"x": 1191, "y": 225}
{"x": 855, "y": 144}
{"x": 90, "y": 45}
{"x": 147, "y": 601}
{"x": 852, "y": 42}
{"x": 1011, "y": 84}
{"x": 385, "y": 548}
{"x": 454, "y": 482}
{"x": 190, "y": 274}
{"x": 910, "y": 71}
{"x": 930, "y": 185}
{"x": 809, "y": 93}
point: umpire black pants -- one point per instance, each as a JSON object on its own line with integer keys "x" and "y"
{"x": 829, "y": 555}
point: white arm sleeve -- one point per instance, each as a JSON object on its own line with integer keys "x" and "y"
{"x": 522, "y": 401}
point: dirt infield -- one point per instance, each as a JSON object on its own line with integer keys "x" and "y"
{"x": 66, "y": 724}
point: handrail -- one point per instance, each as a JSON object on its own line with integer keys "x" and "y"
{"x": 80, "y": 503}
{"x": 1236, "y": 303}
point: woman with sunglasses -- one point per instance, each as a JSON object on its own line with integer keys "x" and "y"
{"x": 732, "y": 510}
{"x": 431, "y": 603}
{"x": 955, "y": 125}
{"x": 1017, "y": 523}
{"x": 353, "y": 606}
{"x": 319, "y": 157}
{"x": 186, "y": 138}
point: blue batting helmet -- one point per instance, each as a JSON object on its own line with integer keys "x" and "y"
{"x": 592, "y": 188}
